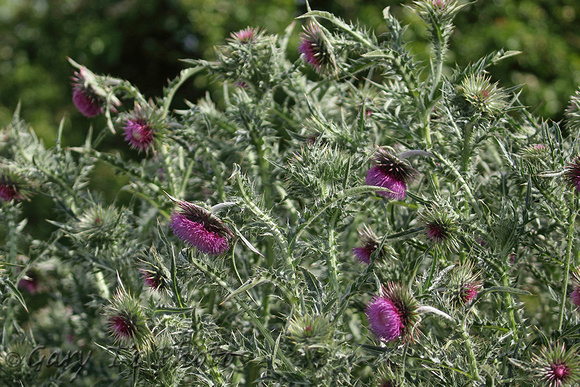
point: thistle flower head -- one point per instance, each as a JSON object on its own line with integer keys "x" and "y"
{"x": 317, "y": 50}
{"x": 245, "y": 36}
{"x": 483, "y": 96}
{"x": 556, "y": 366}
{"x": 442, "y": 9}
{"x": 310, "y": 329}
{"x": 30, "y": 282}
{"x": 572, "y": 112}
{"x": 464, "y": 284}
{"x": 10, "y": 188}
{"x": 391, "y": 173}
{"x": 154, "y": 278}
{"x": 199, "y": 228}
{"x": 393, "y": 313}
{"x": 126, "y": 320}
{"x": 369, "y": 245}
{"x": 440, "y": 226}
{"x": 85, "y": 97}
{"x": 98, "y": 224}
{"x": 572, "y": 174}
{"x": 143, "y": 126}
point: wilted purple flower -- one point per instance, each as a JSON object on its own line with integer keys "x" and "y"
{"x": 392, "y": 314}
{"x": 391, "y": 173}
{"x": 368, "y": 247}
{"x": 557, "y": 366}
{"x": 572, "y": 174}
{"x": 316, "y": 49}
{"x": 200, "y": 229}
{"x": 86, "y": 100}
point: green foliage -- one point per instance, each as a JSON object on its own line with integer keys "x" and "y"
{"x": 472, "y": 254}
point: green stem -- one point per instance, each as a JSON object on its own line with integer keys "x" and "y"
{"x": 268, "y": 220}
{"x": 570, "y": 244}
{"x": 466, "y": 148}
{"x": 510, "y": 305}
{"x": 470, "y": 354}
{"x": 331, "y": 260}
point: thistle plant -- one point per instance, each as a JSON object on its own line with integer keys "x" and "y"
{"x": 231, "y": 254}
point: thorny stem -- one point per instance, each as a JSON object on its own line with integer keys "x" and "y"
{"x": 510, "y": 305}
{"x": 266, "y": 219}
{"x": 570, "y": 244}
{"x": 470, "y": 354}
{"x": 331, "y": 261}
{"x": 466, "y": 148}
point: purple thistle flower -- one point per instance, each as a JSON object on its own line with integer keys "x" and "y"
{"x": 557, "y": 366}
{"x": 154, "y": 278}
{"x": 30, "y": 282}
{"x": 315, "y": 49}
{"x": 86, "y": 100}
{"x": 9, "y": 189}
{"x": 469, "y": 291}
{"x": 390, "y": 173}
{"x": 385, "y": 319}
{"x": 245, "y": 36}
{"x": 393, "y": 314}
{"x": 440, "y": 226}
{"x": 369, "y": 246}
{"x": 139, "y": 134}
{"x": 200, "y": 229}
{"x": 123, "y": 326}
{"x": 126, "y": 321}
{"x": 437, "y": 231}
{"x": 572, "y": 174}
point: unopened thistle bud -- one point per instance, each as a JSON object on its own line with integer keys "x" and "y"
{"x": 126, "y": 320}
{"x": 573, "y": 112}
{"x": 199, "y": 228}
{"x": 391, "y": 173}
{"x": 440, "y": 227}
{"x": 98, "y": 224}
{"x": 483, "y": 96}
{"x": 393, "y": 313}
{"x": 310, "y": 329}
{"x": 317, "y": 50}
{"x": 369, "y": 245}
{"x": 572, "y": 174}
{"x": 556, "y": 366}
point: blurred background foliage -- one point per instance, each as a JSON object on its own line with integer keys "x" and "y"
{"x": 143, "y": 40}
